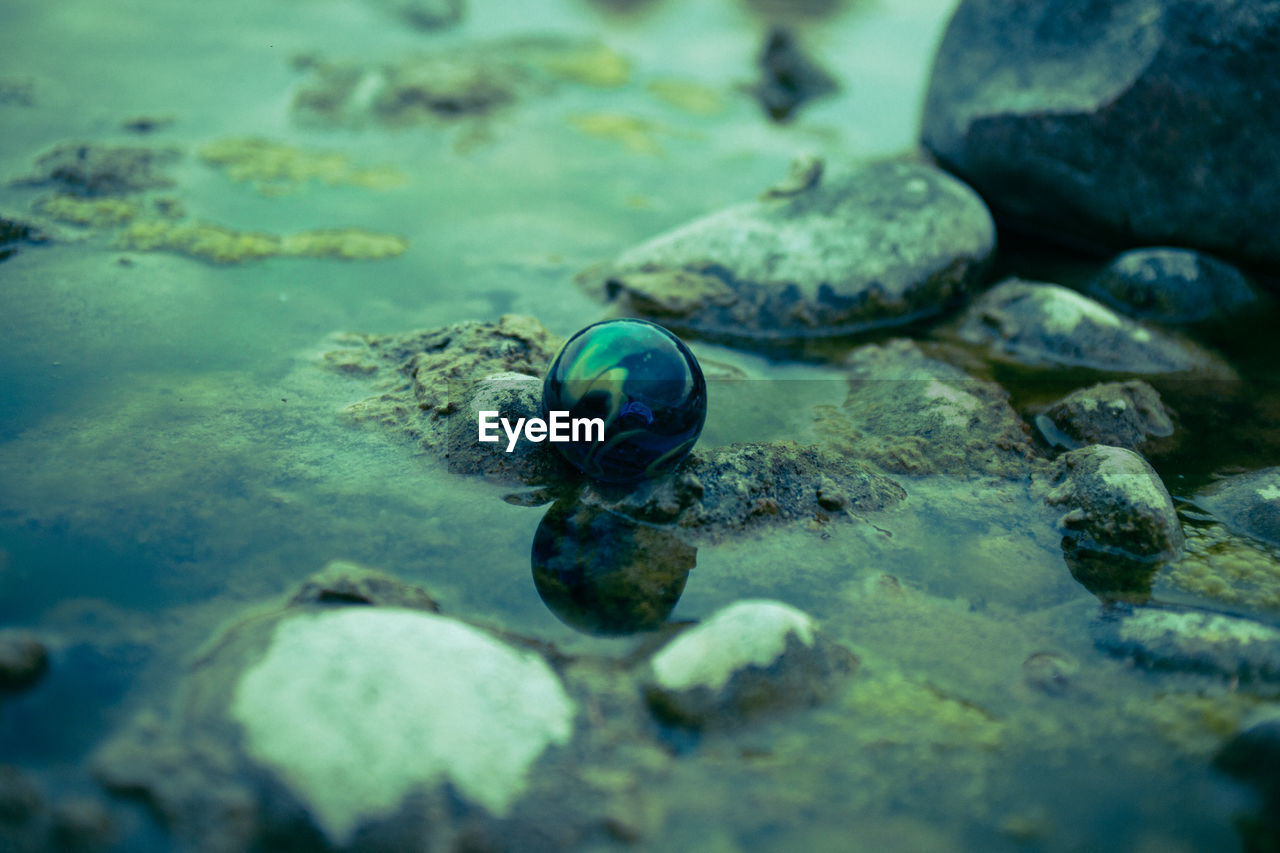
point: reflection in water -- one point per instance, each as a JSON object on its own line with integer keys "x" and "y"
{"x": 604, "y": 574}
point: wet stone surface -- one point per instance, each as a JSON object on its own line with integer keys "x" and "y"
{"x": 1119, "y": 414}
{"x": 432, "y": 383}
{"x": 914, "y": 414}
{"x": 1248, "y": 503}
{"x": 1114, "y": 502}
{"x": 723, "y": 491}
{"x": 749, "y": 658}
{"x": 880, "y": 244}
{"x": 1046, "y": 111}
{"x": 1195, "y": 641}
{"x": 1041, "y": 324}
{"x": 1173, "y": 286}
{"x": 99, "y": 170}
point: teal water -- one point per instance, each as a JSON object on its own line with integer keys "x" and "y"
{"x": 171, "y": 452}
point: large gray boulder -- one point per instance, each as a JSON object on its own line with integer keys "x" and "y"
{"x": 1136, "y": 122}
{"x": 826, "y": 253}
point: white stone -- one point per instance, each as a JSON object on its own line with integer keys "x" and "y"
{"x": 354, "y": 708}
{"x": 751, "y": 632}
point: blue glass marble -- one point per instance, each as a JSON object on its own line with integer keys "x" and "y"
{"x": 645, "y": 385}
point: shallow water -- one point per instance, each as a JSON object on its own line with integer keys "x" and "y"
{"x": 171, "y": 452}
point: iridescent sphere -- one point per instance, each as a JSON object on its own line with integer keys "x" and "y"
{"x": 644, "y": 384}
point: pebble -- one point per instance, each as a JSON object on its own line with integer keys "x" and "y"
{"x": 749, "y": 657}
{"x": 1119, "y": 414}
{"x": 1173, "y": 286}
{"x": 1040, "y": 324}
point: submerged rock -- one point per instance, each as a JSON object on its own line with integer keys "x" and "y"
{"x": 1117, "y": 414}
{"x": 340, "y": 699}
{"x": 446, "y": 85}
{"x": 427, "y": 15}
{"x": 1194, "y": 641}
{"x": 1173, "y": 286}
{"x": 727, "y": 490}
{"x": 343, "y": 582}
{"x": 14, "y": 231}
{"x": 1115, "y": 503}
{"x": 1252, "y": 756}
{"x": 1044, "y": 324}
{"x": 1248, "y": 503}
{"x": 99, "y": 170}
{"x": 23, "y": 659}
{"x": 788, "y": 77}
{"x": 911, "y": 413}
{"x": 1047, "y": 109}
{"x": 750, "y": 657}
{"x": 880, "y": 244}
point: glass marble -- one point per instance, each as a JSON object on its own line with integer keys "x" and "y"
{"x": 646, "y": 386}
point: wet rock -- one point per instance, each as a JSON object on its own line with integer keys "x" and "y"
{"x": 513, "y": 396}
{"x": 1252, "y": 756}
{"x": 23, "y": 659}
{"x": 14, "y": 232}
{"x": 750, "y": 657}
{"x": 911, "y": 413}
{"x": 1044, "y": 324}
{"x": 1248, "y": 503}
{"x": 788, "y": 77}
{"x": 469, "y": 81}
{"x": 1115, "y": 503}
{"x": 425, "y": 14}
{"x": 727, "y": 490}
{"x": 1118, "y": 414}
{"x": 1173, "y": 286}
{"x": 20, "y": 800}
{"x": 1046, "y": 109}
{"x": 880, "y": 244}
{"x": 342, "y": 582}
{"x": 1194, "y": 641}
{"x": 80, "y": 823}
{"x": 98, "y": 170}
{"x": 430, "y": 382}
{"x": 341, "y": 697}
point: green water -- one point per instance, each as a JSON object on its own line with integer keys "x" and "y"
{"x": 172, "y": 453}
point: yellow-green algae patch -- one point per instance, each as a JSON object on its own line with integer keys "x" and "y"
{"x": 274, "y": 168}
{"x": 1218, "y": 564}
{"x": 692, "y": 98}
{"x": 637, "y": 135}
{"x": 93, "y": 212}
{"x": 590, "y": 64}
{"x": 224, "y": 246}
